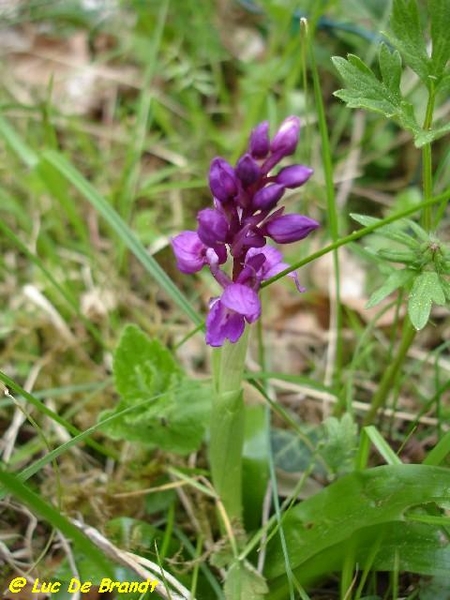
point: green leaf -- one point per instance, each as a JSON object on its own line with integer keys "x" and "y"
{"x": 439, "y": 11}
{"x": 430, "y": 135}
{"x": 409, "y": 38}
{"x": 397, "y": 279}
{"x": 339, "y": 446}
{"x": 393, "y": 231}
{"x": 426, "y": 289}
{"x": 142, "y": 367}
{"x": 390, "y": 546}
{"x": 364, "y": 90}
{"x": 255, "y": 465}
{"x": 168, "y": 410}
{"x": 374, "y": 498}
{"x": 391, "y": 69}
{"x": 243, "y": 582}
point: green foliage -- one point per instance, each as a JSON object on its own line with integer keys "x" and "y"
{"x": 339, "y": 445}
{"x": 243, "y": 582}
{"x": 424, "y": 276}
{"x": 159, "y": 406}
{"x": 365, "y": 90}
{"x": 362, "y": 512}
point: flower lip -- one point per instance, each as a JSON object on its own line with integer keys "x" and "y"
{"x": 189, "y": 252}
{"x": 227, "y": 314}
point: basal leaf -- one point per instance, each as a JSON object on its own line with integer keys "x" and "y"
{"x": 174, "y": 421}
{"x": 142, "y": 367}
{"x": 426, "y": 289}
{"x": 408, "y": 37}
{"x": 397, "y": 279}
{"x": 406, "y": 546}
{"x": 159, "y": 405}
{"x": 374, "y": 498}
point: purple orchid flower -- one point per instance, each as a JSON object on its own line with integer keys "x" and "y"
{"x": 245, "y": 213}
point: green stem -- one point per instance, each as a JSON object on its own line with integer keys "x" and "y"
{"x": 356, "y": 235}
{"x": 390, "y": 375}
{"x": 427, "y": 163}
{"x": 332, "y": 209}
{"x": 227, "y": 426}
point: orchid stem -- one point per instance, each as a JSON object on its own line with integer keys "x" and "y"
{"x": 227, "y": 426}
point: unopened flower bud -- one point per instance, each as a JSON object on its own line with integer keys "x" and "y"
{"x": 222, "y": 180}
{"x": 247, "y": 170}
{"x": 267, "y": 197}
{"x": 294, "y": 176}
{"x": 259, "y": 141}
{"x": 290, "y": 228}
{"x": 285, "y": 140}
{"x": 212, "y": 227}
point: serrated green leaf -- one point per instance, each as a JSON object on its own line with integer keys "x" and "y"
{"x": 243, "y": 582}
{"x": 159, "y": 406}
{"x": 439, "y": 11}
{"x": 397, "y": 279}
{"x": 426, "y": 289}
{"x": 408, "y": 37}
{"x": 142, "y": 367}
{"x": 446, "y": 288}
{"x": 364, "y": 90}
{"x": 339, "y": 444}
{"x": 391, "y": 69}
{"x": 175, "y": 421}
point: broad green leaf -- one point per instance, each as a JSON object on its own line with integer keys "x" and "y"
{"x": 407, "y": 546}
{"x": 409, "y": 37}
{"x": 142, "y": 367}
{"x": 243, "y": 582}
{"x": 373, "y": 498}
{"x": 426, "y": 289}
{"x": 174, "y": 421}
{"x": 364, "y": 90}
{"x": 255, "y": 465}
{"x": 159, "y": 406}
{"x": 397, "y": 279}
{"x": 439, "y": 11}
